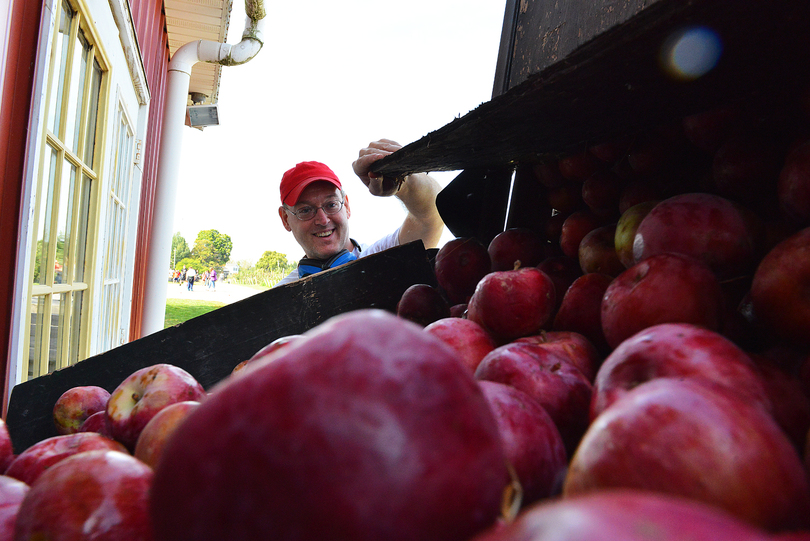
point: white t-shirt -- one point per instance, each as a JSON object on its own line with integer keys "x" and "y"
{"x": 389, "y": 241}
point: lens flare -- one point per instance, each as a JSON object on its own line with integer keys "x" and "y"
{"x": 691, "y": 53}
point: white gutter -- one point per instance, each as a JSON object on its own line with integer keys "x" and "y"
{"x": 174, "y": 114}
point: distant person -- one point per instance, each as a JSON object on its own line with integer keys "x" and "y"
{"x": 315, "y": 208}
{"x": 190, "y": 276}
{"x": 183, "y": 276}
{"x": 212, "y": 279}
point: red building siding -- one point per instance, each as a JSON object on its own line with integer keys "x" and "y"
{"x": 15, "y": 111}
{"x": 150, "y": 25}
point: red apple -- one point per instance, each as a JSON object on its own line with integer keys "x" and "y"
{"x": 6, "y": 447}
{"x": 743, "y": 165}
{"x": 154, "y": 435}
{"x": 469, "y": 339}
{"x": 12, "y": 493}
{"x": 459, "y": 310}
{"x": 780, "y": 292}
{"x": 708, "y": 130}
{"x": 597, "y": 252}
{"x": 562, "y": 270}
{"x": 75, "y": 405}
{"x": 574, "y": 346}
{"x": 701, "y": 225}
{"x": 574, "y": 228}
{"x": 511, "y": 304}
{"x": 677, "y": 350}
{"x": 422, "y": 304}
{"x": 611, "y": 151}
{"x": 624, "y": 515}
{"x": 548, "y": 174}
{"x": 637, "y": 192}
{"x": 30, "y": 464}
{"x": 460, "y": 264}
{"x": 548, "y": 377}
{"x": 369, "y": 429}
{"x": 626, "y": 229}
{"x": 791, "y": 405}
{"x": 268, "y": 350}
{"x": 516, "y": 244}
{"x": 99, "y": 423}
{"x": 687, "y": 438}
{"x": 581, "y": 309}
{"x": 533, "y": 445}
{"x": 665, "y": 288}
{"x": 601, "y": 192}
{"x": 578, "y": 167}
{"x": 793, "y": 188}
{"x": 143, "y": 394}
{"x": 99, "y": 495}
{"x": 566, "y": 198}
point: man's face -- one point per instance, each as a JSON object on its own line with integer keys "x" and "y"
{"x": 323, "y": 236}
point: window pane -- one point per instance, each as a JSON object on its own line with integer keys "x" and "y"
{"x": 76, "y": 95}
{"x": 81, "y": 230}
{"x": 76, "y": 318}
{"x": 37, "y": 336}
{"x": 43, "y": 231}
{"x": 58, "y": 324}
{"x": 61, "y": 46}
{"x": 92, "y": 114}
{"x": 63, "y": 223}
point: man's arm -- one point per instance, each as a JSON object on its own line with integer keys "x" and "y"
{"x": 418, "y": 193}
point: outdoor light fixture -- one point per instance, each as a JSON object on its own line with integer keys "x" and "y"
{"x": 200, "y": 116}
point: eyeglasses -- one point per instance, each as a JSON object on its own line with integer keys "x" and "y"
{"x": 305, "y": 214}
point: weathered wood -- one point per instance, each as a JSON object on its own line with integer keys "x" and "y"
{"x": 211, "y": 345}
{"x": 614, "y": 85}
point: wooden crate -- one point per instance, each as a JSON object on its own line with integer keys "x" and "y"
{"x": 549, "y": 104}
{"x": 211, "y": 345}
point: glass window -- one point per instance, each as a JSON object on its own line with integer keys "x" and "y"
{"x": 66, "y": 187}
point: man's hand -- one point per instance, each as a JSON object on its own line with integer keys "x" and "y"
{"x": 374, "y": 151}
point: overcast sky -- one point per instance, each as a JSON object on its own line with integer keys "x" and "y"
{"x": 332, "y": 77}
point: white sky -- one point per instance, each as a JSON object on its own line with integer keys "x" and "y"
{"x": 332, "y": 77}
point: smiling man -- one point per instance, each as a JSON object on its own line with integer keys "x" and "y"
{"x": 316, "y": 210}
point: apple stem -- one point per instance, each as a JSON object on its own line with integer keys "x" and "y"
{"x": 517, "y": 264}
{"x": 512, "y": 496}
{"x": 136, "y": 397}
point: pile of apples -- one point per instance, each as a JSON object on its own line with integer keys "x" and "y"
{"x": 635, "y": 366}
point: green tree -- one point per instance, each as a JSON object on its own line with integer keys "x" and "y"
{"x": 190, "y": 262}
{"x": 212, "y": 248}
{"x": 271, "y": 260}
{"x": 180, "y": 250}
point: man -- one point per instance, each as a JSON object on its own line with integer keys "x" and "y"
{"x": 316, "y": 210}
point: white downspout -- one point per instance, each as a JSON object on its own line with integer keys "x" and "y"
{"x": 174, "y": 113}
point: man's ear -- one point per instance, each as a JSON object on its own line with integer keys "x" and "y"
{"x": 346, "y": 204}
{"x": 282, "y": 213}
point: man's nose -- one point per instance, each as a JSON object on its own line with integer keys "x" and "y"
{"x": 321, "y": 216}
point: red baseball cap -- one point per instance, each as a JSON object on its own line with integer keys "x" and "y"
{"x": 302, "y": 175}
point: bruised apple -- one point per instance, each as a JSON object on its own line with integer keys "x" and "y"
{"x": 571, "y": 345}
{"x": 690, "y": 439}
{"x": 470, "y": 340}
{"x": 143, "y": 394}
{"x": 532, "y": 443}
{"x": 511, "y": 304}
{"x": 665, "y": 288}
{"x": 76, "y": 404}
{"x": 369, "y": 429}
{"x": 677, "y": 350}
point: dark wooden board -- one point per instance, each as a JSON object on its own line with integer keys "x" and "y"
{"x": 211, "y": 345}
{"x": 614, "y": 85}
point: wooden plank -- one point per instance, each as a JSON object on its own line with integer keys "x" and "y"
{"x": 614, "y": 85}
{"x": 211, "y": 345}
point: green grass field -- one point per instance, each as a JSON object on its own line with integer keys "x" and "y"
{"x": 180, "y": 310}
